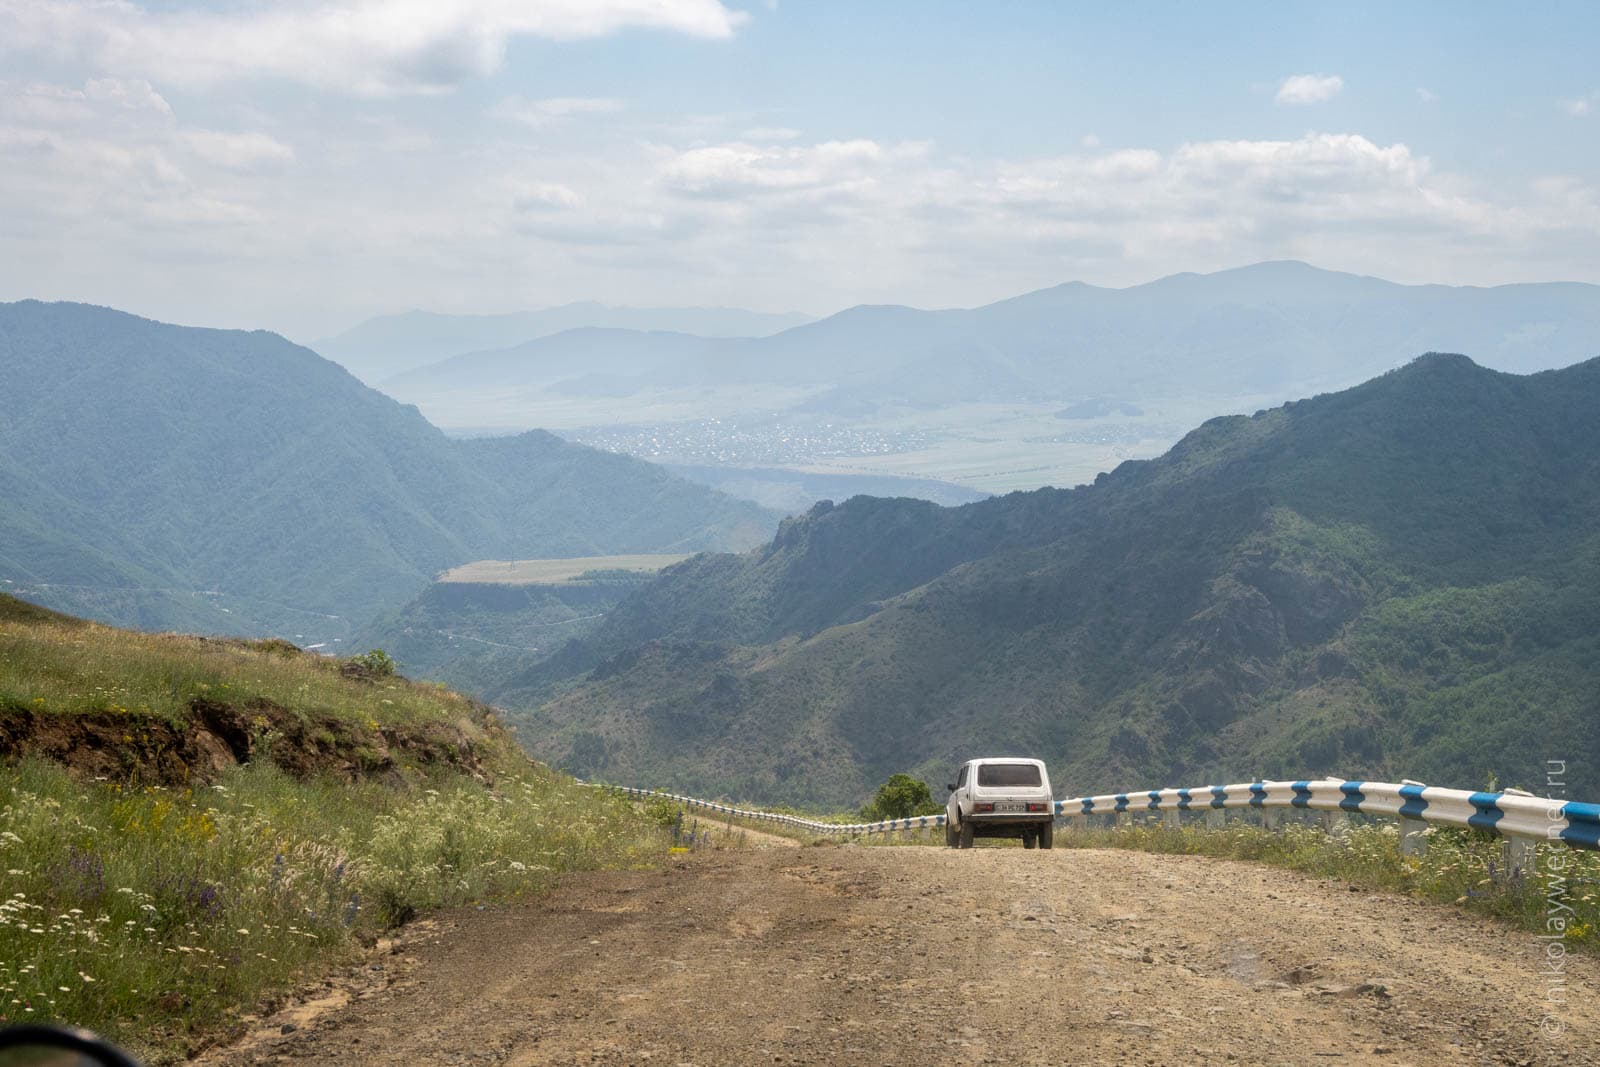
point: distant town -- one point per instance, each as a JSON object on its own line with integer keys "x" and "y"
{"x": 773, "y": 443}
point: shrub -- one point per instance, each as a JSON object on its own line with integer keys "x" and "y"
{"x": 376, "y": 661}
{"x": 901, "y": 797}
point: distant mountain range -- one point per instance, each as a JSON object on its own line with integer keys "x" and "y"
{"x": 393, "y": 344}
{"x": 1279, "y": 329}
{"x": 1400, "y": 579}
{"x": 213, "y": 480}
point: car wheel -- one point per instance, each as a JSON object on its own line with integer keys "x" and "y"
{"x": 966, "y": 835}
{"x": 949, "y": 834}
{"x": 1027, "y": 839}
{"x": 1047, "y": 834}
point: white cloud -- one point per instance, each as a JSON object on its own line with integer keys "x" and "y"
{"x": 1580, "y": 107}
{"x": 134, "y": 94}
{"x": 1090, "y": 140}
{"x": 1309, "y": 88}
{"x": 396, "y": 209}
{"x": 363, "y": 46}
{"x": 1427, "y": 96}
{"x": 741, "y": 168}
{"x": 770, "y": 133}
{"x": 237, "y": 151}
{"x": 548, "y": 112}
{"x": 537, "y": 196}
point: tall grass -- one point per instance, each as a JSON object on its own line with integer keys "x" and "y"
{"x": 159, "y": 916}
{"x": 1559, "y": 896}
{"x": 71, "y": 667}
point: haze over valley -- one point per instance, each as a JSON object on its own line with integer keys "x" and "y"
{"x": 1048, "y": 388}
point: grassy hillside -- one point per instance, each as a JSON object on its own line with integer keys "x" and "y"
{"x": 189, "y": 826}
{"x": 223, "y": 481}
{"x": 1398, "y": 579}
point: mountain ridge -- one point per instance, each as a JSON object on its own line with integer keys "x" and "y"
{"x": 1275, "y": 330}
{"x": 1251, "y": 603}
{"x": 207, "y": 460}
{"x": 389, "y": 345}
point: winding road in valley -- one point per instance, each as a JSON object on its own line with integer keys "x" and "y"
{"x": 903, "y": 955}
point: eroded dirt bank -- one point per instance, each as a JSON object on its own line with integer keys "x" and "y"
{"x": 923, "y": 955}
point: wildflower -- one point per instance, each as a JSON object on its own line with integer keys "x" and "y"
{"x": 242, "y": 933}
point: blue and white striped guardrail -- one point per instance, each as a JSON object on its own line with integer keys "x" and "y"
{"x": 1509, "y": 814}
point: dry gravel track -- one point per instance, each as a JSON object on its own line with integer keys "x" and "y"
{"x": 844, "y": 955}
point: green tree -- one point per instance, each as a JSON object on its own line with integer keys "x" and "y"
{"x": 901, "y": 797}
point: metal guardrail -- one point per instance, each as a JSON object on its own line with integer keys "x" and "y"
{"x": 916, "y": 822}
{"x": 1513, "y": 815}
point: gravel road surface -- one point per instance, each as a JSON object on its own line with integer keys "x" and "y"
{"x": 905, "y": 955}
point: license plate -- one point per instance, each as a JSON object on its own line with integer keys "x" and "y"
{"x": 1008, "y": 808}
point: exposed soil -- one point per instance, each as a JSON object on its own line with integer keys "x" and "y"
{"x": 150, "y": 750}
{"x": 924, "y": 955}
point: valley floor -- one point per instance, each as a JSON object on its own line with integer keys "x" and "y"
{"x": 923, "y": 955}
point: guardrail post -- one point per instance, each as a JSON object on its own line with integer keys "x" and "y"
{"x": 1215, "y": 818}
{"x": 1336, "y": 823}
{"x": 1120, "y": 820}
{"x": 1413, "y": 837}
{"x": 1519, "y": 854}
{"x": 1169, "y": 817}
{"x": 1271, "y": 818}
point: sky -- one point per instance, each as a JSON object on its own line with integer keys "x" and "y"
{"x": 301, "y": 165}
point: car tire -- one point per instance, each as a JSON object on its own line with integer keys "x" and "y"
{"x": 949, "y": 834}
{"x": 966, "y": 835}
{"x": 1028, "y": 839}
{"x": 1047, "y": 834}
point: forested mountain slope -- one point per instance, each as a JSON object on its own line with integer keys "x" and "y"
{"x": 162, "y": 476}
{"x": 1399, "y": 579}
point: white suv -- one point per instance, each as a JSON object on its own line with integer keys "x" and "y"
{"x": 1000, "y": 797}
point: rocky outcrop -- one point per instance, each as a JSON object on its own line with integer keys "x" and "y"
{"x": 149, "y": 750}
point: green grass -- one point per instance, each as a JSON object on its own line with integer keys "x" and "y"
{"x": 64, "y": 666}
{"x": 159, "y": 917}
{"x": 1560, "y": 896}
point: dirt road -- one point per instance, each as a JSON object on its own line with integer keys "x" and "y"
{"x": 923, "y": 956}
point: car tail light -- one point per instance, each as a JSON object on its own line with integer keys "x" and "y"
{"x": 1036, "y": 807}
{"x": 983, "y": 807}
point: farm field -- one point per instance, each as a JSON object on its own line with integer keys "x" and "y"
{"x": 552, "y": 571}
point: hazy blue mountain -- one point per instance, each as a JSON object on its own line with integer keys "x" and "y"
{"x": 163, "y": 476}
{"x": 1398, "y": 579}
{"x": 1279, "y": 329}
{"x": 794, "y": 491}
{"x": 393, "y": 344}
{"x": 574, "y": 356}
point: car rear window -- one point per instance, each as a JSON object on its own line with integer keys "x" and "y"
{"x": 1003, "y": 774}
